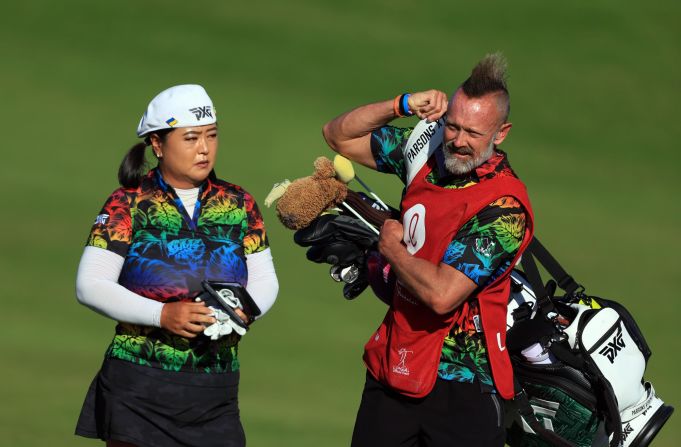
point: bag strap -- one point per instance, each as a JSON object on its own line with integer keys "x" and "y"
{"x": 424, "y": 140}
{"x": 565, "y": 281}
{"x": 544, "y": 303}
{"x": 536, "y": 249}
{"x": 527, "y": 414}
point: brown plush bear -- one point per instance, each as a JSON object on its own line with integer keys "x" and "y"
{"x": 342, "y": 239}
{"x": 306, "y": 198}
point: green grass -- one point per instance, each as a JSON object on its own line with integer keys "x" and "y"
{"x": 595, "y": 89}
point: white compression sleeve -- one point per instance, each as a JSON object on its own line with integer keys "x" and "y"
{"x": 263, "y": 284}
{"x": 97, "y": 288}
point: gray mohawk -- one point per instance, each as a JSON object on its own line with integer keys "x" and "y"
{"x": 489, "y": 76}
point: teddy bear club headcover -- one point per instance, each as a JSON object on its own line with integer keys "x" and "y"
{"x": 340, "y": 239}
{"x": 306, "y": 198}
{"x": 300, "y": 202}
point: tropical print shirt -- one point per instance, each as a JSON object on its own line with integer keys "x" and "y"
{"x": 167, "y": 255}
{"x": 482, "y": 250}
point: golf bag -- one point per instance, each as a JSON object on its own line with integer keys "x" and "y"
{"x": 578, "y": 362}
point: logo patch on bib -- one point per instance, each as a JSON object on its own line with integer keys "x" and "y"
{"x": 414, "y": 223}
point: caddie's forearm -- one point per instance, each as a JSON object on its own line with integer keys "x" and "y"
{"x": 359, "y": 122}
{"x": 350, "y": 133}
{"x": 440, "y": 287}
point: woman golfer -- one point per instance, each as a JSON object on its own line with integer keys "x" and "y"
{"x": 170, "y": 375}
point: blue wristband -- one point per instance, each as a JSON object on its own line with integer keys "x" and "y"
{"x": 405, "y": 104}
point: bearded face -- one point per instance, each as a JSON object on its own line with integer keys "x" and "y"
{"x": 462, "y": 160}
{"x": 473, "y": 128}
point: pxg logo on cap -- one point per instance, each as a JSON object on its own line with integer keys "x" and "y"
{"x": 179, "y": 106}
{"x": 202, "y": 112}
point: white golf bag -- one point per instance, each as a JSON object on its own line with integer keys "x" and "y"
{"x": 579, "y": 364}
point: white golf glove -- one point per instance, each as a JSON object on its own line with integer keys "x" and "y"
{"x": 223, "y": 326}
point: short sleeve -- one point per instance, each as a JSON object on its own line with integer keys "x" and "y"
{"x": 255, "y": 239}
{"x": 387, "y": 145}
{"x": 112, "y": 228}
{"x": 485, "y": 246}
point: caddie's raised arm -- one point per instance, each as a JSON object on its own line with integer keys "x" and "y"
{"x": 350, "y": 133}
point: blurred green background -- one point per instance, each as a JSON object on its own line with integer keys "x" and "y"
{"x": 595, "y": 94}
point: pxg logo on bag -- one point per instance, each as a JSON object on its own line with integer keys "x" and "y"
{"x": 612, "y": 348}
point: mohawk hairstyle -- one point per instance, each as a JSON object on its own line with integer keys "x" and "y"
{"x": 489, "y": 76}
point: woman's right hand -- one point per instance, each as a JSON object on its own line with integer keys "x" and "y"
{"x": 186, "y": 318}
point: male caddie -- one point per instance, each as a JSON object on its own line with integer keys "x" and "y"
{"x": 438, "y": 365}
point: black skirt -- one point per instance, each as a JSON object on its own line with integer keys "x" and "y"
{"x": 151, "y": 407}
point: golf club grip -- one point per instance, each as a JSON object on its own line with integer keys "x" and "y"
{"x": 248, "y": 304}
{"x": 374, "y": 216}
{"x": 212, "y": 298}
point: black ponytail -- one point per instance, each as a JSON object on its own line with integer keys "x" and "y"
{"x": 133, "y": 167}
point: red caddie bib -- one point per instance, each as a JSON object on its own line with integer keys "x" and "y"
{"x": 405, "y": 351}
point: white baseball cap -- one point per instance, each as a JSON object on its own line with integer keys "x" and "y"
{"x": 180, "y": 106}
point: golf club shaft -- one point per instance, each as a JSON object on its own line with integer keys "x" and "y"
{"x": 360, "y": 217}
{"x": 378, "y": 199}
